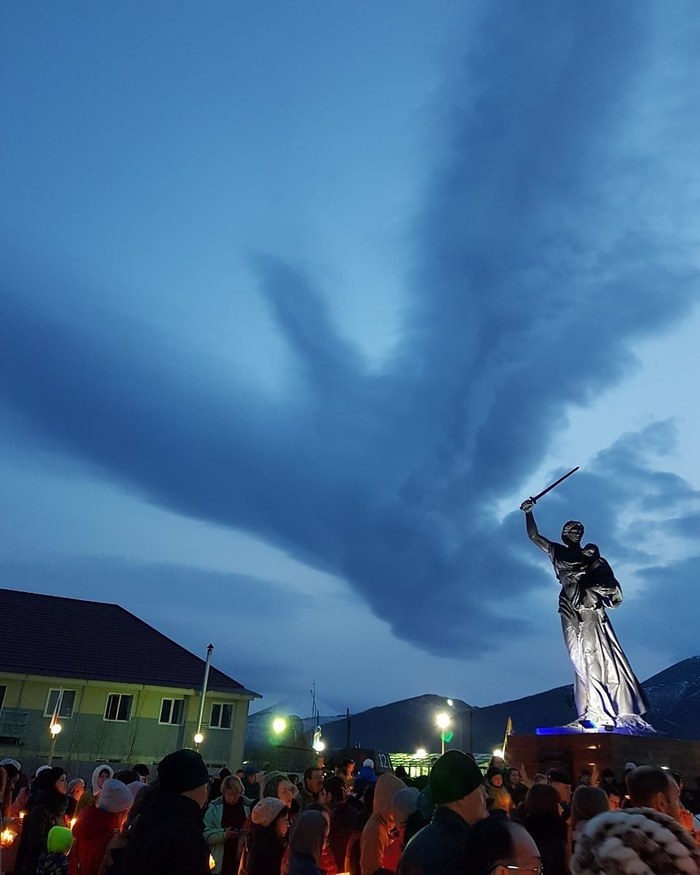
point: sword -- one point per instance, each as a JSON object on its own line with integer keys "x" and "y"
{"x": 534, "y": 498}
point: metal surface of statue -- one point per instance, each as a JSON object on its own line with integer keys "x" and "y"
{"x": 606, "y": 691}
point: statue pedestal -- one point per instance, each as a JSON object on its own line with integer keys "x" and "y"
{"x": 574, "y": 750}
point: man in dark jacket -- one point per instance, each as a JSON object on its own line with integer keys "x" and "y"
{"x": 166, "y": 838}
{"x": 457, "y": 789}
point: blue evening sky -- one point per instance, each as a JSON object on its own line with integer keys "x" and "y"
{"x": 300, "y": 299}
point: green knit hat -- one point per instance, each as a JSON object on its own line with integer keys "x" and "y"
{"x": 60, "y": 840}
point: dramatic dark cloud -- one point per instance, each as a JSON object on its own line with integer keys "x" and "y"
{"x": 546, "y": 249}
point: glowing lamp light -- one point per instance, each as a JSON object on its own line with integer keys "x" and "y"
{"x": 421, "y": 753}
{"x": 72, "y": 822}
{"x": 317, "y": 744}
{"x": 22, "y": 815}
{"x": 55, "y": 729}
{"x": 279, "y": 725}
{"x": 6, "y": 838}
{"x": 198, "y": 738}
{"x": 212, "y": 862}
{"x": 442, "y": 720}
{"x": 497, "y": 752}
{"x": 450, "y": 703}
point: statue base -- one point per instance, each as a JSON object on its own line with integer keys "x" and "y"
{"x": 574, "y": 750}
{"x": 631, "y": 724}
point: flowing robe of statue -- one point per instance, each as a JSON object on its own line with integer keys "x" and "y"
{"x": 605, "y": 688}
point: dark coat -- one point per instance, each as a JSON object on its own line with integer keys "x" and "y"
{"x": 302, "y": 864}
{"x": 549, "y": 833}
{"x": 46, "y": 811}
{"x": 166, "y": 838}
{"x": 266, "y": 851}
{"x": 344, "y": 817}
{"x": 439, "y": 848}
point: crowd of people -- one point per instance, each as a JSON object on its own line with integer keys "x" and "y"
{"x": 455, "y": 821}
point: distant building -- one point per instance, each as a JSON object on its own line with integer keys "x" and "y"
{"x": 125, "y": 692}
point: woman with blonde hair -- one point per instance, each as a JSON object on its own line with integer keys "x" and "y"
{"x": 223, "y": 822}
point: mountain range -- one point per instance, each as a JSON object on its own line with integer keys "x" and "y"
{"x": 674, "y": 710}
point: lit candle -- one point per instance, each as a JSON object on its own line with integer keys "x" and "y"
{"x": 6, "y": 837}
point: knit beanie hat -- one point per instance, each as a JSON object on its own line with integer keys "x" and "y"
{"x": 267, "y": 810}
{"x": 404, "y": 803}
{"x": 636, "y": 840}
{"x": 368, "y": 763}
{"x": 454, "y": 775}
{"x": 135, "y": 788}
{"x": 181, "y": 771}
{"x": 59, "y": 840}
{"x": 115, "y": 797}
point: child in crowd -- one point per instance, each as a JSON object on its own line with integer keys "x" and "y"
{"x": 55, "y": 860}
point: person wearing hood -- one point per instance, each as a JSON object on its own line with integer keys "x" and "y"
{"x": 97, "y": 825}
{"x": 498, "y": 797}
{"x": 366, "y": 777}
{"x": 55, "y": 860}
{"x": 115, "y": 853}
{"x": 100, "y": 774}
{"x": 375, "y": 836}
{"x": 306, "y": 843}
{"x": 47, "y": 807}
{"x": 167, "y": 836}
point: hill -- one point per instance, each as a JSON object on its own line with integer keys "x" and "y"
{"x": 673, "y": 695}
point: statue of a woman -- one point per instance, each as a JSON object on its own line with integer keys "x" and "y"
{"x": 605, "y": 688}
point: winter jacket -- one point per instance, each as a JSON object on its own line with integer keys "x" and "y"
{"x": 46, "y": 812}
{"x": 214, "y": 832}
{"x": 166, "y": 838}
{"x": 375, "y": 835}
{"x": 439, "y": 848}
{"x": 91, "y": 834}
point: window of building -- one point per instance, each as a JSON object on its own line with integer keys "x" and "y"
{"x": 65, "y": 708}
{"x": 118, "y": 707}
{"x": 221, "y": 715}
{"x": 171, "y": 711}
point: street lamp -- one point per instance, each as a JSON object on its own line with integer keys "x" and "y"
{"x": 318, "y": 744}
{"x": 442, "y": 721}
{"x": 198, "y": 737}
{"x": 54, "y": 729}
{"x": 279, "y": 725}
